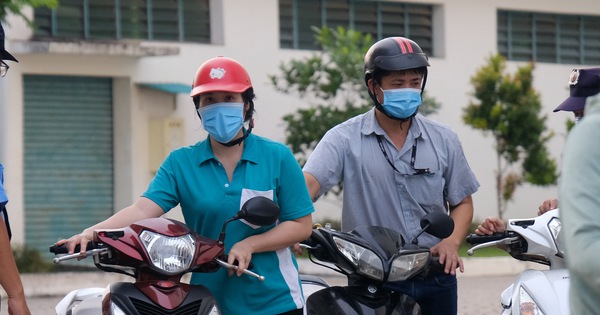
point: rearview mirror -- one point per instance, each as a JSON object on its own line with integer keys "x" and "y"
{"x": 438, "y": 224}
{"x": 260, "y": 211}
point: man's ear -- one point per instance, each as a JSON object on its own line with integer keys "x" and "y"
{"x": 370, "y": 84}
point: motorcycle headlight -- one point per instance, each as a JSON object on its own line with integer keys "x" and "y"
{"x": 170, "y": 254}
{"x": 526, "y": 304}
{"x": 407, "y": 265}
{"x": 555, "y": 226}
{"x": 366, "y": 261}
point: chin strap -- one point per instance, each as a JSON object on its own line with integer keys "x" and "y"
{"x": 240, "y": 139}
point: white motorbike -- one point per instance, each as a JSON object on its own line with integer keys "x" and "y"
{"x": 542, "y": 292}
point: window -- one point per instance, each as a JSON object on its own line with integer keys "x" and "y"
{"x": 552, "y": 38}
{"x": 165, "y": 20}
{"x": 378, "y": 18}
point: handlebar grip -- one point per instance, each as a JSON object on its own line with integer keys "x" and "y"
{"x": 62, "y": 249}
{"x": 475, "y": 239}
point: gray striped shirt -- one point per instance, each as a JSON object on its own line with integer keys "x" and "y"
{"x": 375, "y": 194}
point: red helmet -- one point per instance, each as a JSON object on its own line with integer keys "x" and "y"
{"x": 220, "y": 74}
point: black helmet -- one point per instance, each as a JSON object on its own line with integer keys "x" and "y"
{"x": 392, "y": 54}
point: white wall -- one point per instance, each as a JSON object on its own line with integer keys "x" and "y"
{"x": 250, "y": 34}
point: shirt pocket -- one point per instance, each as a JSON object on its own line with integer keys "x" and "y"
{"x": 427, "y": 190}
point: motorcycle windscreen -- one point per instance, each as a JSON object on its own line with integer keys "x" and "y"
{"x": 384, "y": 241}
{"x": 358, "y": 300}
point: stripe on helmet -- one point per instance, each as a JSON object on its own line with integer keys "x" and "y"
{"x": 404, "y": 44}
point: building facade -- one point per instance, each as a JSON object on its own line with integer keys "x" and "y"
{"x": 100, "y": 93}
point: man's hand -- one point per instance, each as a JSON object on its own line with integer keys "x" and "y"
{"x": 448, "y": 256}
{"x": 547, "y": 205}
{"x": 490, "y": 226}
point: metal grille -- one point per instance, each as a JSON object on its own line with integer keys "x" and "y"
{"x": 379, "y": 18}
{"x": 68, "y": 156}
{"x": 168, "y": 20}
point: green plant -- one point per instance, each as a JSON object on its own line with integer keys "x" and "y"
{"x": 507, "y": 107}
{"x": 29, "y": 260}
{"x": 17, "y": 7}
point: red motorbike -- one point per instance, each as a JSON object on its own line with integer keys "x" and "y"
{"x": 157, "y": 252}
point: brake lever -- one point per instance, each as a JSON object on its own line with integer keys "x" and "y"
{"x": 91, "y": 252}
{"x": 304, "y": 246}
{"x": 234, "y": 267}
{"x": 504, "y": 241}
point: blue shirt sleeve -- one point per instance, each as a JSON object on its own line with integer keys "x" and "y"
{"x": 3, "y": 197}
{"x": 293, "y": 195}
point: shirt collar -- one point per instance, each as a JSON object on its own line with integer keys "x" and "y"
{"x": 371, "y": 126}
{"x": 205, "y": 152}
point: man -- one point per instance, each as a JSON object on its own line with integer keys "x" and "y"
{"x": 9, "y": 274}
{"x": 580, "y": 201}
{"x": 397, "y": 165}
{"x": 582, "y": 83}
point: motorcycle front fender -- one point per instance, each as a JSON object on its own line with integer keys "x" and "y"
{"x": 87, "y": 301}
{"x": 549, "y": 290}
{"x": 129, "y": 298}
{"x": 359, "y": 300}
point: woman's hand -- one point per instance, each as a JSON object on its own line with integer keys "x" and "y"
{"x": 81, "y": 239}
{"x": 242, "y": 253}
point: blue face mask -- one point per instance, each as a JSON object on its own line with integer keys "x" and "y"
{"x": 401, "y": 103}
{"x": 222, "y": 120}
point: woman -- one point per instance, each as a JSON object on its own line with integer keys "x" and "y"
{"x": 212, "y": 179}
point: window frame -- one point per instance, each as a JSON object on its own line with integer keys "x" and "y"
{"x": 152, "y": 20}
{"x": 548, "y": 37}
{"x": 296, "y": 34}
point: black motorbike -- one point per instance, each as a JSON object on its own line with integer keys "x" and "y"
{"x": 370, "y": 257}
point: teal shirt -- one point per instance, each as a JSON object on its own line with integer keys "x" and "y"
{"x": 194, "y": 178}
{"x": 579, "y": 197}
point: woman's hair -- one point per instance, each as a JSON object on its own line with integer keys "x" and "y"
{"x": 248, "y": 97}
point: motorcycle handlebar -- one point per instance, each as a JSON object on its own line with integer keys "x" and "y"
{"x": 475, "y": 239}
{"x": 62, "y": 249}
